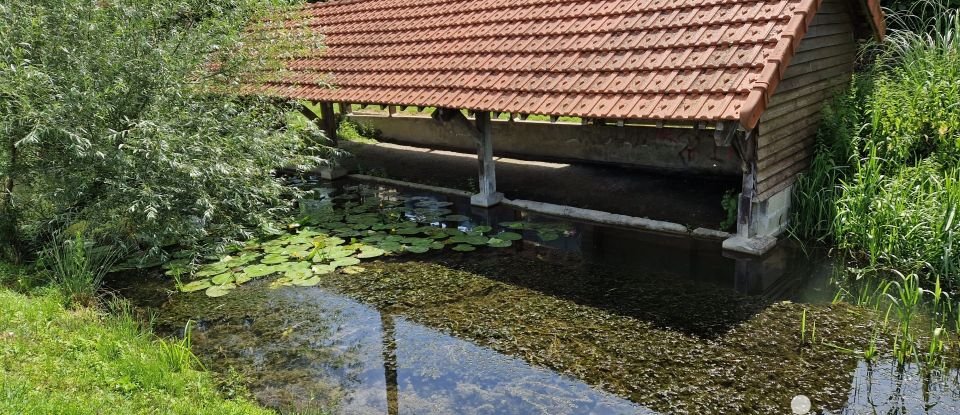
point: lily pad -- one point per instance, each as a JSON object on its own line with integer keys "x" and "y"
{"x": 220, "y": 290}
{"x": 509, "y": 236}
{"x": 345, "y": 262}
{"x": 298, "y": 273}
{"x": 307, "y": 282}
{"x": 224, "y": 278}
{"x": 548, "y": 236}
{"x": 274, "y": 259}
{"x": 416, "y": 249}
{"x": 196, "y": 286}
{"x": 481, "y": 229}
{"x": 456, "y": 218}
{"x": 464, "y": 248}
{"x": 323, "y": 269}
{"x": 259, "y": 270}
{"x": 370, "y": 252}
{"x": 499, "y": 243}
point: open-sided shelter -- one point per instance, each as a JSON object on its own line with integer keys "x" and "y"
{"x": 748, "y": 74}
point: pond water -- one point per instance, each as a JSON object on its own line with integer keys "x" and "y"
{"x": 574, "y": 319}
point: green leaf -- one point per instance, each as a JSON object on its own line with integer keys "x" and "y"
{"x": 417, "y": 249}
{"x": 499, "y": 243}
{"x": 196, "y": 286}
{"x": 464, "y": 248}
{"x": 509, "y": 236}
{"x": 224, "y": 278}
{"x": 220, "y": 290}
{"x": 344, "y": 262}
{"x": 370, "y": 252}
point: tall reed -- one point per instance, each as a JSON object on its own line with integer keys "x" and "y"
{"x": 885, "y": 182}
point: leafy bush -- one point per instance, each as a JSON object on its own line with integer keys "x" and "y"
{"x": 885, "y": 182}
{"x": 107, "y": 116}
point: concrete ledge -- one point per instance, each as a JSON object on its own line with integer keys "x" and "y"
{"x": 597, "y": 216}
{"x": 755, "y": 246}
{"x": 435, "y": 189}
{"x": 710, "y": 233}
{"x": 570, "y": 212}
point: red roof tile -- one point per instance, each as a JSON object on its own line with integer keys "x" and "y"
{"x": 693, "y": 60}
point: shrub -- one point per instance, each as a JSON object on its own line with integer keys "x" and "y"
{"x": 107, "y": 116}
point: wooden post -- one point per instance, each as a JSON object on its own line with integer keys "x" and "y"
{"x": 488, "y": 195}
{"x": 329, "y": 119}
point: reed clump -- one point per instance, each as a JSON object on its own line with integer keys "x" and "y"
{"x": 884, "y": 186}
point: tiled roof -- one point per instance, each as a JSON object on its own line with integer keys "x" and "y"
{"x": 678, "y": 60}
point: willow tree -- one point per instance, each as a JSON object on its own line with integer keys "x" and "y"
{"x": 120, "y": 114}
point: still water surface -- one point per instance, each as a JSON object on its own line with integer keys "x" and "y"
{"x": 351, "y": 347}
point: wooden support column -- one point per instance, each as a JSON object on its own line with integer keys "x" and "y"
{"x": 488, "y": 195}
{"x": 329, "y": 119}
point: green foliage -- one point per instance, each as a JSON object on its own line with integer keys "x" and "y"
{"x": 336, "y": 234}
{"x": 77, "y": 267}
{"x": 82, "y": 361}
{"x": 729, "y": 202}
{"x": 108, "y": 114}
{"x": 885, "y": 182}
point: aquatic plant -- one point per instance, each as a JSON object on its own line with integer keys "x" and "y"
{"x": 77, "y": 266}
{"x": 885, "y": 181}
{"x": 341, "y": 232}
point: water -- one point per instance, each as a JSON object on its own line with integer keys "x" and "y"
{"x": 597, "y": 321}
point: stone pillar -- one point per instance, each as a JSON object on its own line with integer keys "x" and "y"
{"x": 488, "y": 195}
{"x": 754, "y": 235}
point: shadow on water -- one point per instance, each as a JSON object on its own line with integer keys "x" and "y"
{"x": 577, "y": 319}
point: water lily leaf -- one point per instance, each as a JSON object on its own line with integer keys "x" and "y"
{"x": 417, "y": 249}
{"x": 390, "y": 246}
{"x": 408, "y": 231}
{"x": 509, "y": 236}
{"x": 370, "y": 252}
{"x": 437, "y": 245}
{"x": 323, "y": 269}
{"x": 481, "y": 229}
{"x": 196, "y": 286}
{"x": 307, "y": 282}
{"x": 416, "y": 241}
{"x": 548, "y": 236}
{"x": 224, "y": 278}
{"x": 273, "y": 259}
{"x": 259, "y": 270}
{"x": 298, "y": 273}
{"x": 337, "y": 252}
{"x": 393, "y": 238}
{"x": 220, "y": 290}
{"x": 211, "y": 269}
{"x": 464, "y": 248}
{"x": 513, "y": 225}
{"x": 499, "y": 243}
{"x": 344, "y": 262}
{"x": 456, "y": 218}
{"x": 241, "y": 278}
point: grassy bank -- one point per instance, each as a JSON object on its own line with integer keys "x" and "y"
{"x": 84, "y": 361}
{"x": 885, "y": 183}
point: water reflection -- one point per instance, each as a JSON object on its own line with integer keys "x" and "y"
{"x": 336, "y": 351}
{"x": 881, "y": 389}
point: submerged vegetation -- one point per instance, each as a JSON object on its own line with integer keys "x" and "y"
{"x": 885, "y": 182}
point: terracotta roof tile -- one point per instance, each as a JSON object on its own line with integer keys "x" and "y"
{"x": 705, "y": 60}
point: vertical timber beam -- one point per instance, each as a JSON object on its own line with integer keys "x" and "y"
{"x": 329, "y": 119}
{"x": 488, "y": 195}
{"x": 748, "y": 240}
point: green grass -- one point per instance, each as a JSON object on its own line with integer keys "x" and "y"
{"x": 884, "y": 186}
{"x": 85, "y": 361}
